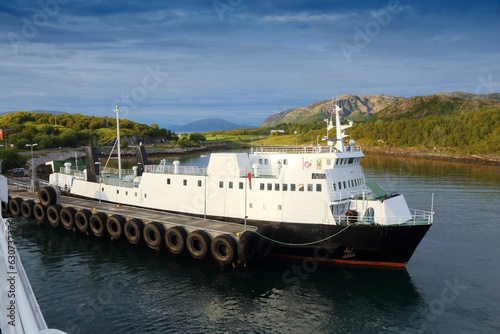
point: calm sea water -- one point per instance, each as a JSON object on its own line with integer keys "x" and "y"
{"x": 452, "y": 283}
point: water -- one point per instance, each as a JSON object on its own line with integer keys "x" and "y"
{"x": 451, "y": 284}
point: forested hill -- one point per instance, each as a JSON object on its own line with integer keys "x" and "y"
{"x": 364, "y": 107}
{"x": 72, "y": 130}
{"x": 453, "y": 123}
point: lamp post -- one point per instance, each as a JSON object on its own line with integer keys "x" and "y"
{"x": 33, "y": 186}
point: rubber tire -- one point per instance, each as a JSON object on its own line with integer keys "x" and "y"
{"x": 39, "y": 213}
{"x": 224, "y": 249}
{"x": 198, "y": 244}
{"x": 82, "y": 220}
{"x": 247, "y": 247}
{"x": 27, "y": 208}
{"x": 114, "y": 226}
{"x": 97, "y": 223}
{"x": 15, "y": 206}
{"x": 133, "y": 230}
{"x": 175, "y": 239}
{"x": 5, "y": 207}
{"x": 54, "y": 214}
{"x": 47, "y": 196}
{"x": 264, "y": 246}
{"x": 153, "y": 235}
{"x": 68, "y": 217}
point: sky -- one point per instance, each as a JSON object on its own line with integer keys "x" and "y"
{"x": 177, "y": 61}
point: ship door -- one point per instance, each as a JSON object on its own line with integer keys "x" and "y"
{"x": 338, "y": 209}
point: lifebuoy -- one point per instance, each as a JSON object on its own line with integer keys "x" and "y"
{"x": 47, "y": 196}
{"x": 82, "y": 220}
{"x": 39, "y": 213}
{"x": 67, "y": 216}
{"x": 15, "y": 206}
{"x": 224, "y": 249}
{"x": 153, "y": 234}
{"x": 175, "y": 239}
{"x": 27, "y": 208}
{"x": 115, "y": 225}
{"x": 247, "y": 247}
{"x": 133, "y": 230}
{"x": 53, "y": 214}
{"x": 198, "y": 244}
{"x": 307, "y": 164}
{"x": 97, "y": 223}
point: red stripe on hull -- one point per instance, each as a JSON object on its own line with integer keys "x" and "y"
{"x": 345, "y": 262}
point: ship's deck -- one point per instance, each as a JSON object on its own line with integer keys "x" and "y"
{"x": 147, "y": 215}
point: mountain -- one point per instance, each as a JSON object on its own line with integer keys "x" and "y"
{"x": 363, "y": 107}
{"x": 207, "y": 125}
{"x": 356, "y": 107}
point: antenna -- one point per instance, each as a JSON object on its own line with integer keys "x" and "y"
{"x": 117, "y": 110}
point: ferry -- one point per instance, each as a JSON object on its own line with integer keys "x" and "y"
{"x": 310, "y": 203}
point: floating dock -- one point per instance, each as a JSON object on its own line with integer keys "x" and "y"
{"x": 227, "y": 243}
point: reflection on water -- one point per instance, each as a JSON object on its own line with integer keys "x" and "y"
{"x": 109, "y": 286}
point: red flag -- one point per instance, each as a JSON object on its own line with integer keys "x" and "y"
{"x": 250, "y": 179}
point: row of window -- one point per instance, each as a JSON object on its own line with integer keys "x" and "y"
{"x": 343, "y": 161}
{"x": 291, "y": 186}
{"x": 346, "y": 184}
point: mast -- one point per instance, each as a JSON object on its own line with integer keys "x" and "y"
{"x": 117, "y": 110}
{"x": 339, "y": 145}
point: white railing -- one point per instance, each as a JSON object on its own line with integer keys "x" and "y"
{"x": 108, "y": 170}
{"x": 419, "y": 217}
{"x": 302, "y": 149}
{"x": 182, "y": 170}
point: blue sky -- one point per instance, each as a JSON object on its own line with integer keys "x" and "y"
{"x": 172, "y": 62}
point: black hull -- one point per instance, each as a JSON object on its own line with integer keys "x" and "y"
{"x": 355, "y": 244}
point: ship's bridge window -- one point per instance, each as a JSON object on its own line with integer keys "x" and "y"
{"x": 351, "y": 160}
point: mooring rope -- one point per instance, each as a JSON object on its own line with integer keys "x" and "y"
{"x": 302, "y": 244}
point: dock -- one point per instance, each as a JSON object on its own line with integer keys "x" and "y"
{"x": 227, "y": 243}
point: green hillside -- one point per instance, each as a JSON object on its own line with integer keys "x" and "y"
{"x": 71, "y": 130}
